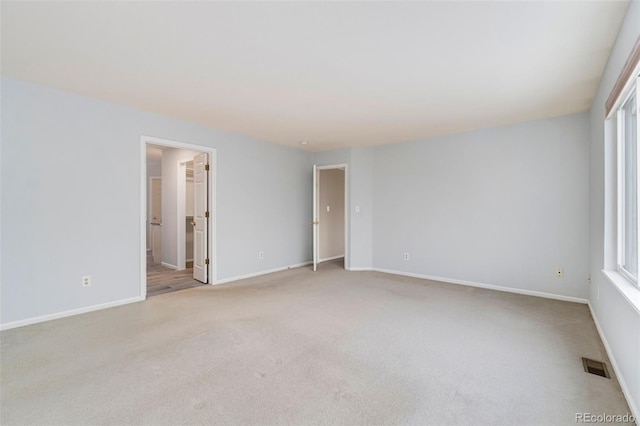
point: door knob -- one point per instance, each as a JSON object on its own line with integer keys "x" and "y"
{"x": 193, "y": 223}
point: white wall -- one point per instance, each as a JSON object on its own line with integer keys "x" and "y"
{"x": 81, "y": 200}
{"x": 188, "y": 200}
{"x": 618, "y": 320}
{"x": 502, "y": 206}
{"x": 361, "y": 197}
{"x": 188, "y": 212}
{"x": 154, "y": 169}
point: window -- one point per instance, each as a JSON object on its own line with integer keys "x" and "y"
{"x": 627, "y": 115}
{"x": 622, "y": 105}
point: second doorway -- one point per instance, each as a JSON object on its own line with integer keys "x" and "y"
{"x": 330, "y": 214}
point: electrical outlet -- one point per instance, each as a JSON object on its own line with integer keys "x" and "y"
{"x": 260, "y": 255}
{"x": 559, "y": 272}
{"x": 406, "y": 256}
{"x": 86, "y": 281}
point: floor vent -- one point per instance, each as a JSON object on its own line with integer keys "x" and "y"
{"x": 598, "y": 368}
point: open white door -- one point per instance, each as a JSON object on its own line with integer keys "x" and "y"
{"x": 315, "y": 221}
{"x": 200, "y": 217}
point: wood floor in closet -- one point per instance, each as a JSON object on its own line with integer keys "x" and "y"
{"x": 161, "y": 279}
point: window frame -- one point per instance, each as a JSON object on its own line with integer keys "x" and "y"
{"x": 632, "y": 87}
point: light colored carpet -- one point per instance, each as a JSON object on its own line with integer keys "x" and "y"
{"x": 297, "y": 347}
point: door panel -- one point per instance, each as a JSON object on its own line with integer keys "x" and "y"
{"x": 315, "y": 221}
{"x": 200, "y": 219}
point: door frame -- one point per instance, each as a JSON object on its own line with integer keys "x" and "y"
{"x": 211, "y": 231}
{"x": 316, "y": 212}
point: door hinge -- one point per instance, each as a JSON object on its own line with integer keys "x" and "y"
{"x": 206, "y": 214}
{"x": 206, "y": 167}
{"x": 206, "y": 261}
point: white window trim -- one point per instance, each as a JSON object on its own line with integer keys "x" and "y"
{"x": 629, "y": 90}
{"x": 628, "y": 79}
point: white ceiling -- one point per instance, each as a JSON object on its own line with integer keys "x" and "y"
{"x": 333, "y": 73}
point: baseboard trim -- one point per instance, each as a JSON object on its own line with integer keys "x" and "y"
{"x": 487, "y": 286}
{"x": 257, "y": 274}
{"x": 623, "y": 385}
{"x": 168, "y": 265}
{"x": 43, "y": 318}
{"x": 331, "y": 258}
{"x": 359, "y": 269}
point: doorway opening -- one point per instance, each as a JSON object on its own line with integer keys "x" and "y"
{"x": 177, "y": 220}
{"x": 330, "y": 215}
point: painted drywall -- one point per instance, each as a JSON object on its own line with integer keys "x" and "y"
{"x": 503, "y": 206}
{"x": 154, "y": 169}
{"x": 188, "y": 211}
{"x": 331, "y": 230}
{"x": 82, "y": 200}
{"x": 188, "y": 202}
{"x": 361, "y": 208}
{"x": 618, "y": 320}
